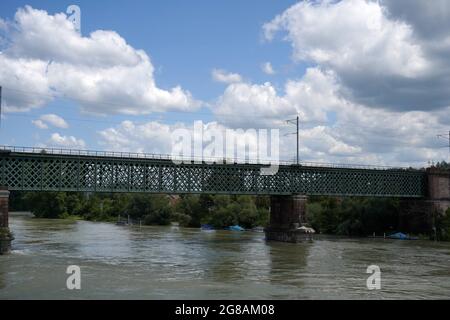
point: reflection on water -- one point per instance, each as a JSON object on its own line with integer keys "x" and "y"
{"x": 177, "y": 263}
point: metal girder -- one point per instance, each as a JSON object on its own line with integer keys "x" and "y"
{"x": 44, "y": 172}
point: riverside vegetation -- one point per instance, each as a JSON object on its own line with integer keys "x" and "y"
{"x": 327, "y": 215}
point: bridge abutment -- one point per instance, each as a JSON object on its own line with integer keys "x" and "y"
{"x": 287, "y": 214}
{"x": 420, "y": 215}
{"x": 5, "y": 234}
{"x": 438, "y": 189}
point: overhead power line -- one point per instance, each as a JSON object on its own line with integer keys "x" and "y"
{"x": 446, "y": 137}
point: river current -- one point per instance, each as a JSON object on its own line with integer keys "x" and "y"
{"x": 121, "y": 262}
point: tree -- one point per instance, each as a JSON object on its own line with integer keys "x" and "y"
{"x": 46, "y": 204}
{"x": 74, "y": 203}
{"x": 443, "y": 226}
{"x": 189, "y": 211}
{"x": 153, "y": 209}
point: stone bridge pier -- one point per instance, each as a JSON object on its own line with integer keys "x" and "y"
{"x": 419, "y": 215}
{"x": 438, "y": 189}
{"x": 287, "y": 214}
{"x": 5, "y": 234}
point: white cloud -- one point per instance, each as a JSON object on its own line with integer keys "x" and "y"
{"x": 359, "y": 50}
{"x": 55, "y": 120}
{"x": 156, "y": 137}
{"x": 333, "y": 128}
{"x": 321, "y": 139}
{"x": 101, "y": 71}
{"x": 25, "y": 84}
{"x": 377, "y": 93}
{"x": 267, "y": 68}
{"x": 249, "y": 105}
{"x": 352, "y": 34}
{"x": 381, "y": 59}
{"x": 40, "y": 124}
{"x": 220, "y": 75}
{"x": 150, "y": 137}
{"x": 70, "y": 142}
{"x": 50, "y": 119}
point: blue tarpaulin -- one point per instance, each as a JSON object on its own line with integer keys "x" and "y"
{"x": 235, "y": 228}
{"x": 399, "y": 235}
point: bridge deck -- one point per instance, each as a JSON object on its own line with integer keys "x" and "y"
{"x": 100, "y": 173}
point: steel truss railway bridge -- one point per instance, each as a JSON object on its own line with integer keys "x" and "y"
{"x": 36, "y": 169}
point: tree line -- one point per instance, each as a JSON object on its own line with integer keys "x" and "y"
{"x": 327, "y": 215}
{"x": 152, "y": 209}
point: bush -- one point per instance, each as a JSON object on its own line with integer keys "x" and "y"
{"x": 154, "y": 209}
{"x": 191, "y": 206}
{"x": 46, "y": 204}
{"x": 353, "y": 216}
{"x": 443, "y": 226}
{"x": 183, "y": 219}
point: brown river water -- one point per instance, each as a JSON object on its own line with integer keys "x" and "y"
{"x": 121, "y": 262}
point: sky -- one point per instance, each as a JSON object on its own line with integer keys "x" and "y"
{"x": 368, "y": 79}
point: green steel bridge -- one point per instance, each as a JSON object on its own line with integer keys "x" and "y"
{"x": 37, "y": 169}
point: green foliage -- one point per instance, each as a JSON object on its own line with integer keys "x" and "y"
{"x": 190, "y": 210}
{"x": 16, "y": 201}
{"x": 231, "y": 210}
{"x": 353, "y": 216}
{"x": 184, "y": 220}
{"x": 442, "y": 165}
{"x": 152, "y": 209}
{"x": 5, "y": 234}
{"x": 46, "y": 205}
{"x": 348, "y": 216}
{"x": 443, "y": 226}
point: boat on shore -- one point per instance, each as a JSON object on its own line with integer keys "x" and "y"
{"x": 235, "y": 228}
{"x": 401, "y": 236}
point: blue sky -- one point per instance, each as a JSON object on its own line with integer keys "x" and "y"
{"x": 363, "y": 75}
{"x": 185, "y": 41}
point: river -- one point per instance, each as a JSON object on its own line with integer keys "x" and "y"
{"x": 120, "y": 262}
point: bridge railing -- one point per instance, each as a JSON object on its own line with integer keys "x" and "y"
{"x": 153, "y": 156}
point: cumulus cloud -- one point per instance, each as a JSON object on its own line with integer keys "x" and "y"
{"x": 376, "y": 49}
{"x": 45, "y": 56}
{"x": 50, "y": 119}
{"x": 429, "y": 21}
{"x": 220, "y": 75}
{"x": 267, "y": 68}
{"x": 150, "y": 137}
{"x": 248, "y": 105}
{"x": 215, "y": 140}
{"x": 27, "y": 85}
{"x": 333, "y": 128}
{"x": 40, "y": 124}
{"x": 352, "y": 34}
{"x": 375, "y": 90}
{"x": 70, "y": 142}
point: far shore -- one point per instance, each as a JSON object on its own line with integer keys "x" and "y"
{"x": 318, "y": 236}
{"x": 21, "y": 213}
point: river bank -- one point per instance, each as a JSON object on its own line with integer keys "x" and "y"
{"x": 350, "y": 217}
{"x": 317, "y": 236}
